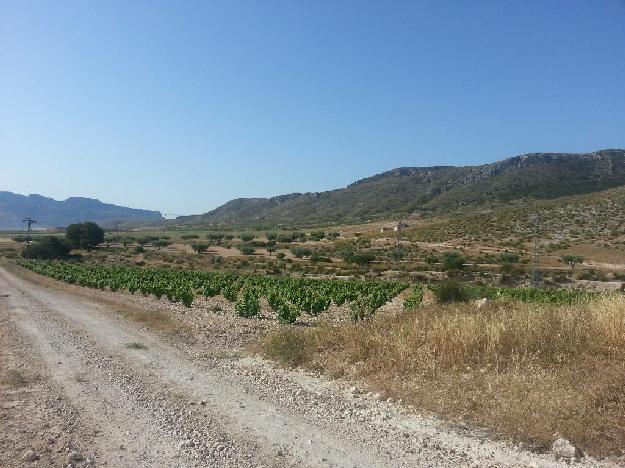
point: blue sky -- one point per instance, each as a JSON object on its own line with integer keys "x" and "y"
{"x": 180, "y": 106}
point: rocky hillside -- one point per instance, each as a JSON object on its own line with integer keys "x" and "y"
{"x": 596, "y": 217}
{"x": 51, "y": 213}
{"x": 440, "y": 189}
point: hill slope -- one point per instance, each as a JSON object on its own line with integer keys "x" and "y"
{"x": 402, "y": 191}
{"x": 51, "y": 213}
{"x": 593, "y": 217}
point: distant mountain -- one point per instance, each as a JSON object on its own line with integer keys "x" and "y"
{"x": 440, "y": 189}
{"x": 52, "y": 213}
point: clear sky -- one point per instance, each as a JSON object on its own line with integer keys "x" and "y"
{"x": 180, "y": 106}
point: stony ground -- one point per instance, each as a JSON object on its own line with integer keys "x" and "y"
{"x": 83, "y": 386}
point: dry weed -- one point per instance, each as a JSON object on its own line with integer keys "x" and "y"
{"x": 522, "y": 370}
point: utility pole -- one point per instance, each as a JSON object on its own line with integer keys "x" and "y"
{"x": 397, "y": 253}
{"x": 535, "y": 217}
{"x": 29, "y": 222}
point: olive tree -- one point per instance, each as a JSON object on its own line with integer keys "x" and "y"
{"x": 84, "y": 235}
{"x": 199, "y": 247}
{"x": 160, "y": 243}
{"x": 572, "y": 260}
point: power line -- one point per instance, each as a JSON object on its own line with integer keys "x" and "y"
{"x": 29, "y": 222}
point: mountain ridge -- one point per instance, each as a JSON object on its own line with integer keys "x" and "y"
{"x": 59, "y": 213}
{"x": 406, "y": 190}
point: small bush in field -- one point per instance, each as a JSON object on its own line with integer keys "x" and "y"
{"x": 301, "y": 252}
{"x": 451, "y": 291}
{"x": 246, "y": 249}
{"x": 47, "y": 247}
{"x": 199, "y": 247}
{"x": 452, "y": 261}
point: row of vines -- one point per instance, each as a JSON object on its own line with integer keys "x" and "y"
{"x": 288, "y": 297}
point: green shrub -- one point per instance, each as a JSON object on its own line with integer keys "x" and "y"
{"x": 508, "y": 258}
{"x": 317, "y": 235}
{"x": 452, "y": 261}
{"x": 317, "y": 257}
{"x": 47, "y": 247}
{"x": 246, "y": 249}
{"x": 301, "y": 252}
{"x": 451, "y": 291}
{"x": 431, "y": 260}
{"x": 301, "y": 236}
{"x": 285, "y": 238}
{"x": 397, "y": 253}
{"x": 362, "y": 259}
{"x": 186, "y": 297}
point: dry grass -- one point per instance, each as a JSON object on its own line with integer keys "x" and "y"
{"x": 153, "y": 319}
{"x": 525, "y": 371}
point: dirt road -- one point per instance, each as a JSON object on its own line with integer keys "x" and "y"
{"x": 85, "y": 387}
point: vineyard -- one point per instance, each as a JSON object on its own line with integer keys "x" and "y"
{"x": 287, "y": 297}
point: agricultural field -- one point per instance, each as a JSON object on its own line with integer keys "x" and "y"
{"x": 368, "y": 253}
{"x": 496, "y": 248}
{"x": 288, "y": 298}
{"x": 452, "y": 326}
